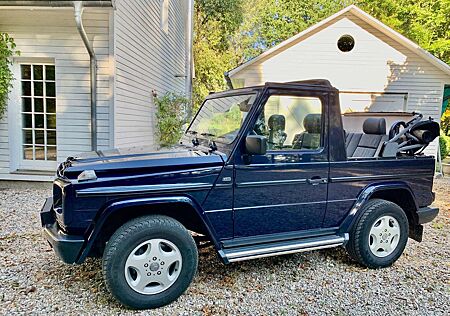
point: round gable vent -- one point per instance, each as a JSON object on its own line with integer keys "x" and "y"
{"x": 346, "y": 43}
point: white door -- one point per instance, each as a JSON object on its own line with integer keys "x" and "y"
{"x": 32, "y": 117}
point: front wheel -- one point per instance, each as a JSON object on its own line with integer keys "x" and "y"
{"x": 149, "y": 262}
{"x": 380, "y": 234}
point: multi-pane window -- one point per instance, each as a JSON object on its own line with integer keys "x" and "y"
{"x": 38, "y": 111}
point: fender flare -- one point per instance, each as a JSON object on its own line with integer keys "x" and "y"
{"x": 114, "y": 207}
{"x": 364, "y": 197}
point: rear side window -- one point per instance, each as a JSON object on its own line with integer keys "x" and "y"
{"x": 291, "y": 123}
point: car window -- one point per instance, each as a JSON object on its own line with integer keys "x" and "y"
{"x": 291, "y": 123}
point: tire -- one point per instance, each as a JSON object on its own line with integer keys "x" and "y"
{"x": 135, "y": 254}
{"x": 374, "y": 241}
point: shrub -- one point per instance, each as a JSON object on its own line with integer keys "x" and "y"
{"x": 444, "y": 144}
{"x": 7, "y": 50}
{"x": 171, "y": 116}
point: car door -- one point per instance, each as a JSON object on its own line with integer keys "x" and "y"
{"x": 285, "y": 190}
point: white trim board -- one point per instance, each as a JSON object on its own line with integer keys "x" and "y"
{"x": 26, "y": 177}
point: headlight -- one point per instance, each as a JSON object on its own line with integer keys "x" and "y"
{"x": 87, "y": 175}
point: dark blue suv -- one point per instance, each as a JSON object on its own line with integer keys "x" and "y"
{"x": 260, "y": 171}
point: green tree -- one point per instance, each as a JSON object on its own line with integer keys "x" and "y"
{"x": 7, "y": 50}
{"x": 269, "y": 22}
{"x": 215, "y": 22}
{"x": 426, "y": 22}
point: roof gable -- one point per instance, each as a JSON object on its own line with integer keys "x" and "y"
{"x": 366, "y": 18}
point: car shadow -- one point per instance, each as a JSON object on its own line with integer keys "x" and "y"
{"x": 210, "y": 264}
{"x": 88, "y": 277}
{"x": 211, "y": 270}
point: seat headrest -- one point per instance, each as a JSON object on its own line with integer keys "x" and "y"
{"x": 277, "y": 122}
{"x": 311, "y": 123}
{"x": 375, "y": 126}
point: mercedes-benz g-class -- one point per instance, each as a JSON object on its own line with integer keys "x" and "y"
{"x": 260, "y": 171}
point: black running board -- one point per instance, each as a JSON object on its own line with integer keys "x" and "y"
{"x": 282, "y": 248}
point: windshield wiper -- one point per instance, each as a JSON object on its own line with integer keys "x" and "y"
{"x": 207, "y": 135}
{"x": 195, "y": 141}
{"x": 211, "y": 143}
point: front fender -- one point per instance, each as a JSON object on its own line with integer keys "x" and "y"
{"x": 365, "y": 196}
{"x": 111, "y": 209}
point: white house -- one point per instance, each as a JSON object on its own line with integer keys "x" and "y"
{"x": 374, "y": 67}
{"x": 85, "y": 77}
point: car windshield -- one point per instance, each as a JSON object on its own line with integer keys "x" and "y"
{"x": 221, "y": 119}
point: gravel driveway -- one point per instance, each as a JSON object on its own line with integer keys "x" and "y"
{"x": 34, "y": 281}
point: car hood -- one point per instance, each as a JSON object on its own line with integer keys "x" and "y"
{"x": 139, "y": 160}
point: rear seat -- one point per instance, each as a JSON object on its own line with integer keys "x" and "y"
{"x": 369, "y": 144}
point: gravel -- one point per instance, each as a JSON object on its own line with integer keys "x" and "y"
{"x": 34, "y": 281}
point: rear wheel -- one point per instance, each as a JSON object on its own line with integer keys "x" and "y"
{"x": 380, "y": 234}
{"x": 149, "y": 262}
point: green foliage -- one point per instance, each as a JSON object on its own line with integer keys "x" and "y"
{"x": 269, "y": 22}
{"x": 426, "y": 22}
{"x": 215, "y": 22}
{"x": 444, "y": 143}
{"x": 445, "y": 123}
{"x": 7, "y": 50}
{"x": 171, "y": 116}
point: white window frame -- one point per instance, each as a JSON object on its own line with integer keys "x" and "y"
{"x": 165, "y": 16}
{"x": 15, "y": 123}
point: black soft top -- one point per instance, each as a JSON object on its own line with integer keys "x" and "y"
{"x": 315, "y": 84}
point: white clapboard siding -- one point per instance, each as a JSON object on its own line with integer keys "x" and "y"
{"x": 147, "y": 59}
{"x": 52, "y": 34}
{"x": 376, "y": 64}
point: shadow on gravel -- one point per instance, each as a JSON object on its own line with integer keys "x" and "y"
{"x": 210, "y": 266}
{"x": 88, "y": 276}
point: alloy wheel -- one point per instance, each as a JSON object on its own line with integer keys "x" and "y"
{"x": 153, "y": 266}
{"x": 384, "y": 236}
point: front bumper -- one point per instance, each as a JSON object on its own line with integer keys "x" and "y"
{"x": 427, "y": 214}
{"x": 67, "y": 247}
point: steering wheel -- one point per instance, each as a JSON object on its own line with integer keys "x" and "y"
{"x": 395, "y": 128}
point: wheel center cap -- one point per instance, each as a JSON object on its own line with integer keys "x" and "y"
{"x": 385, "y": 236}
{"x": 154, "y": 266}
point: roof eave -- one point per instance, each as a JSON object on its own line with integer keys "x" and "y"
{"x": 53, "y": 3}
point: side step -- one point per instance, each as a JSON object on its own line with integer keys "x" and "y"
{"x": 282, "y": 247}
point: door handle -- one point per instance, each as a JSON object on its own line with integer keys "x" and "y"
{"x": 317, "y": 180}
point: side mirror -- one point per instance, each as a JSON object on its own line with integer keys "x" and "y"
{"x": 256, "y": 145}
